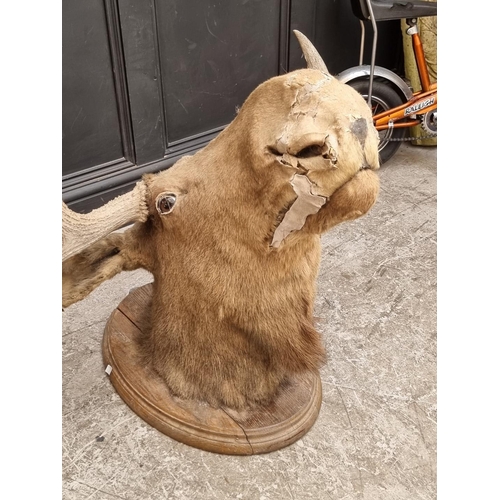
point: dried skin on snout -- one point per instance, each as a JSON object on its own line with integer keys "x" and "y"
{"x": 327, "y": 127}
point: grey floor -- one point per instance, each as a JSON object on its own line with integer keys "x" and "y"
{"x": 375, "y": 437}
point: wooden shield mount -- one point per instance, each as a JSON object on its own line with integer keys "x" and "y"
{"x": 221, "y": 430}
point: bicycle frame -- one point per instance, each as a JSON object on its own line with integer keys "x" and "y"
{"x": 421, "y": 102}
{"x": 395, "y": 106}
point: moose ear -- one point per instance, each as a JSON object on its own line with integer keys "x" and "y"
{"x": 311, "y": 55}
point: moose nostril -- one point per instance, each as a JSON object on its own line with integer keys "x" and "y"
{"x": 273, "y": 151}
{"x": 310, "y": 151}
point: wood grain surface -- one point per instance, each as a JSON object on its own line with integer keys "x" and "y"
{"x": 219, "y": 430}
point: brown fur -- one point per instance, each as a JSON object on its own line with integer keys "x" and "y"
{"x": 231, "y": 317}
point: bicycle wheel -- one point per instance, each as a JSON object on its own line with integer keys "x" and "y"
{"x": 384, "y": 97}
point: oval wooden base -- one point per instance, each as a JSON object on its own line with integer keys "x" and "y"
{"x": 219, "y": 430}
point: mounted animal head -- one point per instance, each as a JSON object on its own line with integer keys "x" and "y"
{"x": 231, "y": 236}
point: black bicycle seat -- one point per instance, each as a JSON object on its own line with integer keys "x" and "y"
{"x": 385, "y": 10}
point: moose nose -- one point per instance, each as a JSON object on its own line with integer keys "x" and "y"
{"x": 304, "y": 145}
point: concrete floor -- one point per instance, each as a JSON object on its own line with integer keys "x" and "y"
{"x": 375, "y": 437}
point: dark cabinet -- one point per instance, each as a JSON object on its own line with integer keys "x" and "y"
{"x": 146, "y": 82}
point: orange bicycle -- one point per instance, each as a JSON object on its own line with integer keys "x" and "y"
{"x": 395, "y": 106}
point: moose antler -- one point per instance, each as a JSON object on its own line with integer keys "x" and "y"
{"x": 81, "y": 230}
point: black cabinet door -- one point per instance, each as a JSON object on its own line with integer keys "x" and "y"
{"x": 212, "y": 55}
{"x": 97, "y": 133}
{"x": 146, "y": 82}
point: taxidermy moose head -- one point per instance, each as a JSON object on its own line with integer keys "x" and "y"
{"x": 231, "y": 236}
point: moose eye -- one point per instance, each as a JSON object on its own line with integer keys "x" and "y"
{"x": 310, "y": 151}
{"x": 165, "y": 203}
